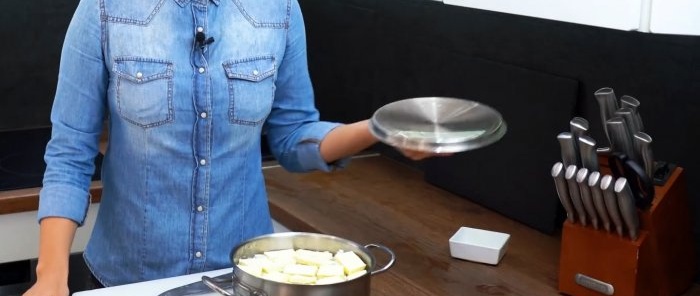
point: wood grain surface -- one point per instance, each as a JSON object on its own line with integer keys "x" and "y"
{"x": 376, "y": 200}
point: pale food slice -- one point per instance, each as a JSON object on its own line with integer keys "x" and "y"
{"x": 330, "y": 280}
{"x": 356, "y": 274}
{"x": 300, "y": 269}
{"x": 309, "y": 257}
{"x": 330, "y": 270}
{"x": 301, "y": 279}
{"x": 276, "y": 276}
{"x": 350, "y": 261}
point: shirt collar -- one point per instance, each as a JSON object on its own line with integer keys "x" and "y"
{"x": 182, "y": 3}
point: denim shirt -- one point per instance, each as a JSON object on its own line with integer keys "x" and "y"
{"x": 182, "y": 176}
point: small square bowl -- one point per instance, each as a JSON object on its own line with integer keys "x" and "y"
{"x": 479, "y": 245}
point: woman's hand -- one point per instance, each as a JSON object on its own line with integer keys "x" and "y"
{"x": 48, "y": 286}
{"x": 419, "y": 155}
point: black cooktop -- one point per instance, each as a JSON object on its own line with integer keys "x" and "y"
{"x": 22, "y": 158}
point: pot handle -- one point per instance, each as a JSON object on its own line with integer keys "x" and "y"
{"x": 211, "y": 283}
{"x": 385, "y": 249}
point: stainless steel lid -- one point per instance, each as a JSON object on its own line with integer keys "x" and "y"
{"x": 437, "y": 124}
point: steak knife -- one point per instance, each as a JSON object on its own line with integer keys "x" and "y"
{"x": 574, "y": 193}
{"x": 610, "y": 198}
{"x": 197, "y": 288}
{"x": 582, "y": 180}
{"x": 598, "y": 200}
{"x": 628, "y": 209}
{"x": 563, "y": 192}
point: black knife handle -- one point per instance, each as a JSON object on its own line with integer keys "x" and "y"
{"x": 642, "y": 186}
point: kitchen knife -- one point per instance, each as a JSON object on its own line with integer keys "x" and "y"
{"x": 607, "y": 103}
{"x": 627, "y": 115}
{"x": 620, "y": 139}
{"x": 598, "y": 201}
{"x": 197, "y": 288}
{"x": 610, "y": 198}
{"x": 562, "y": 191}
{"x": 589, "y": 155}
{"x": 578, "y": 127}
{"x": 628, "y": 209}
{"x": 574, "y": 193}
{"x": 569, "y": 154}
{"x": 642, "y": 144}
{"x": 632, "y": 103}
{"x": 586, "y": 199}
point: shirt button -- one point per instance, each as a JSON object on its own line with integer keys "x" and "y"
{"x": 255, "y": 72}
{"x": 198, "y": 254}
{"x": 203, "y": 161}
{"x": 201, "y": 70}
{"x": 200, "y": 208}
{"x": 200, "y": 29}
{"x": 203, "y": 115}
{"x": 139, "y": 75}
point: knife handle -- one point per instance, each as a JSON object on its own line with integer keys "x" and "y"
{"x": 569, "y": 154}
{"x": 574, "y": 193}
{"x": 581, "y": 179}
{"x": 620, "y": 139}
{"x": 628, "y": 209}
{"x": 642, "y": 143}
{"x": 607, "y": 103}
{"x": 589, "y": 155}
{"x": 606, "y": 186}
{"x": 562, "y": 191}
{"x": 598, "y": 200}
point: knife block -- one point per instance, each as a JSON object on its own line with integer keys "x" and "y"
{"x": 660, "y": 262}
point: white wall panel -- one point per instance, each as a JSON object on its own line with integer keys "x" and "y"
{"x": 615, "y": 14}
{"x": 675, "y": 17}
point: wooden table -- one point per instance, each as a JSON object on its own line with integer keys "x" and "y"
{"x": 377, "y": 200}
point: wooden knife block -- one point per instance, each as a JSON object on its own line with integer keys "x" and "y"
{"x": 660, "y": 262}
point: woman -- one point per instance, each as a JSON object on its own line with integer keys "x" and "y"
{"x": 187, "y": 88}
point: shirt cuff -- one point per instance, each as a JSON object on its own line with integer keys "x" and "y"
{"x": 63, "y": 201}
{"x": 309, "y": 153}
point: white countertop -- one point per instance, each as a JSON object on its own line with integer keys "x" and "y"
{"x": 153, "y": 288}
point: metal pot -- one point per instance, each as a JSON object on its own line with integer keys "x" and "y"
{"x": 248, "y": 285}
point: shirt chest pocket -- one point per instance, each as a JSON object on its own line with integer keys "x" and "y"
{"x": 144, "y": 91}
{"x": 251, "y": 89}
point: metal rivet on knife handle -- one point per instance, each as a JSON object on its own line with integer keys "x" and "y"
{"x": 563, "y": 191}
{"x": 620, "y": 139}
{"x": 610, "y": 199}
{"x": 628, "y": 208}
{"x": 574, "y": 193}
{"x": 632, "y": 103}
{"x": 589, "y": 155}
{"x": 569, "y": 154}
{"x": 642, "y": 144}
{"x": 598, "y": 201}
{"x": 607, "y": 103}
{"x": 586, "y": 199}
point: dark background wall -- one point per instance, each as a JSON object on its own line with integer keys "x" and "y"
{"x": 537, "y": 73}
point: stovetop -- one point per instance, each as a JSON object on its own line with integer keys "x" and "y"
{"x": 22, "y": 158}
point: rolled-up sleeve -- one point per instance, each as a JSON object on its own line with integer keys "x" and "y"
{"x": 293, "y": 128}
{"x": 76, "y": 117}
